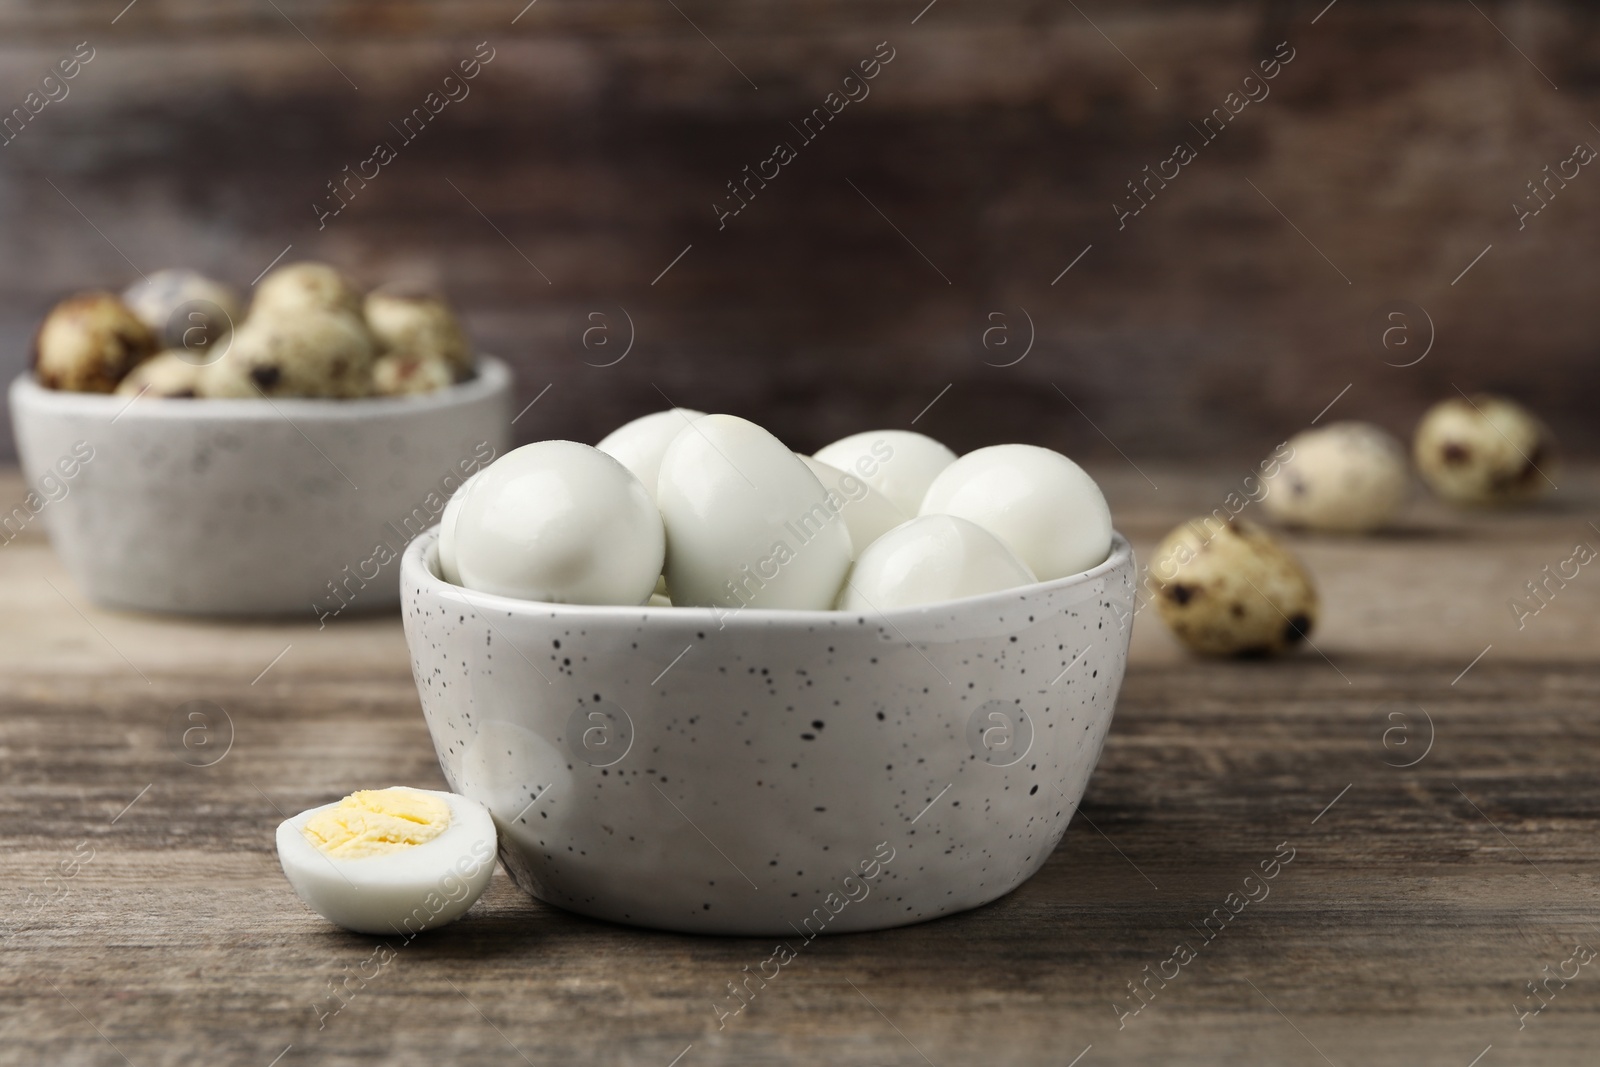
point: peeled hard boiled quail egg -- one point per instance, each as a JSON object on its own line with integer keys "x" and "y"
{"x": 640, "y": 444}
{"x": 867, "y": 513}
{"x": 747, "y": 524}
{"x": 390, "y": 861}
{"x": 560, "y": 522}
{"x": 1486, "y": 450}
{"x": 899, "y": 464}
{"x": 1346, "y": 476}
{"x": 931, "y": 559}
{"x": 1232, "y": 589}
{"x": 1039, "y": 502}
{"x": 447, "y": 532}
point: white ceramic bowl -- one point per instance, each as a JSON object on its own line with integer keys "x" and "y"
{"x": 765, "y": 771}
{"x": 250, "y": 507}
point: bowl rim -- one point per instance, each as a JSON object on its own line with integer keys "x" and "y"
{"x": 419, "y": 556}
{"x": 493, "y": 376}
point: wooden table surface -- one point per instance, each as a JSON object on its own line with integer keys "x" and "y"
{"x": 145, "y": 918}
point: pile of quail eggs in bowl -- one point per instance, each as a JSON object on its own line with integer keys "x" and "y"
{"x": 680, "y": 508}
{"x": 310, "y": 332}
{"x": 878, "y": 678}
{"x": 188, "y": 456}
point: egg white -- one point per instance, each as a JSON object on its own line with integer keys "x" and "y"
{"x": 560, "y": 522}
{"x": 748, "y": 524}
{"x": 900, "y": 464}
{"x": 447, "y": 532}
{"x": 640, "y": 444}
{"x": 931, "y": 560}
{"x": 867, "y": 513}
{"x": 1045, "y": 507}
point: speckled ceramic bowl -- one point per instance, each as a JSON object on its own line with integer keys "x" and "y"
{"x": 248, "y": 507}
{"x": 771, "y": 772}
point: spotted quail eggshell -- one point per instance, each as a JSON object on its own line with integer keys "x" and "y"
{"x": 88, "y": 342}
{"x": 167, "y": 374}
{"x": 408, "y": 374}
{"x": 313, "y": 354}
{"x": 1345, "y": 477}
{"x": 298, "y": 288}
{"x": 1232, "y": 589}
{"x": 1485, "y": 450}
{"x": 418, "y": 324}
{"x": 184, "y": 308}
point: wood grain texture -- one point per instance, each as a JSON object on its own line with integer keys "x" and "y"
{"x": 987, "y": 157}
{"x": 1414, "y": 910}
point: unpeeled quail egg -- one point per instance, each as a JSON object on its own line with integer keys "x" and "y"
{"x": 928, "y": 560}
{"x": 867, "y": 513}
{"x": 1486, "y": 450}
{"x": 560, "y": 522}
{"x": 167, "y": 374}
{"x": 184, "y": 308}
{"x": 900, "y": 464}
{"x": 1231, "y": 589}
{"x": 297, "y": 288}
{"x": 748, "y": 525}
{"x": 88, "y": 342}
{"x": 640, "y": 444}
{"x": 390, "y": 861}
{"x": 418, "y": 324}
{"x": 304, "y": 354}
{"x": 408, "y": 374}
{"x": 1346, "y": 476}
{"x": 1039, "y": 502}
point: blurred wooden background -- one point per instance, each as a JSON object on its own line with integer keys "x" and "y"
{"x": 861, "y": 281}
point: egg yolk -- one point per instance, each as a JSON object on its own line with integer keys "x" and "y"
{"x": 375, "y": 822}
